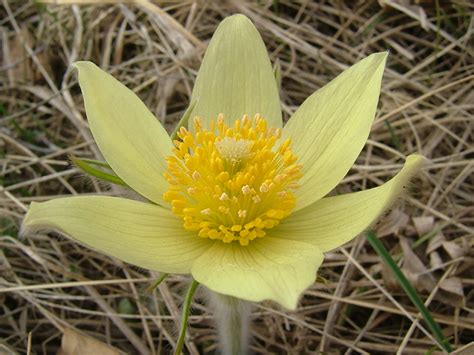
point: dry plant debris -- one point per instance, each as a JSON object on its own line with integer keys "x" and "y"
{"x": 50, "y": 285}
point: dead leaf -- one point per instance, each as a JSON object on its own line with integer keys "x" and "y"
{"x": 75, "y": 343}
{"x": 453, "y": 286}
{"x": 454, "y": 250}
{"x": 435, "y": 242}
{"x": 435, "y": 260}
{"x": 392, "y": 224}
{"x": 423, "y": 225}
{"x": 414, "y": 11}
{"x": 414, "y": 269}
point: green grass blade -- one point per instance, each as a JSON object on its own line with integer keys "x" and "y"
{"x": 102, "y": 175}
{"x": 96, "y": 162}
{"x": 157, "y": 283}
{"x": 409, "y": 290}
{"x": 393, "y": 135}
{"x": 185, "y": 316}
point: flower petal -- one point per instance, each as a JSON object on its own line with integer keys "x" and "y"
{"x": 132, "y": 140}
{"x": 236, "y": 76}
{"x": 331, "y": 127}
{"x": 333, "y": 221}
{"x": 268, "y": 268}
{"x": 139, "y": 233}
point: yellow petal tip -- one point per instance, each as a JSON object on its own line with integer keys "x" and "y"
{"x": 81, "y": 64}
{"x": 233, "y": 87}
{"x": 414, "y": 163}
{"x": 237, "y": 18}
{"x": 379, "y": 59}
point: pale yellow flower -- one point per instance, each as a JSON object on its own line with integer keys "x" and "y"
{"x": 239, "y": 203}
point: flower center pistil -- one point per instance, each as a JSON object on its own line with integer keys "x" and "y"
{"x": 231, "y": 183}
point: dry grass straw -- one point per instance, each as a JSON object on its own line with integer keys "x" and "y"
{"x": 49, "y": 283}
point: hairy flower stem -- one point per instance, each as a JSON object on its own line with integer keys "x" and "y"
{"x": 233, "y": 322}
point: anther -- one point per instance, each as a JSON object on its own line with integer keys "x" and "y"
{"x": 183, "y": 131}
{"x": 197, "y": 122}
{"x": 246, "y": 189}
{"x": 228, "y": 237}
{"x": 236, "y": 228}
{"x": 244, "y": 241}
{"x": 206, "y": 211}
{"x": 242, "y": 213}
{"x": 220, "y": 119}
{"x": 223, "y": 209}
{"x": 196, "y": 175}
{"x": 192, "y": 190}
{"x": 224, "y": 197}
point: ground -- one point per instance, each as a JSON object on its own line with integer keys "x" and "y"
{"x": 49, "y": 283}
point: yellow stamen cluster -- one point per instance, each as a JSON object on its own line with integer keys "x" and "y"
{"x": 232, "y": 183}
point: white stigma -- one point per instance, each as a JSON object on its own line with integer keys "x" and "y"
{"x": 234, "y": 150}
